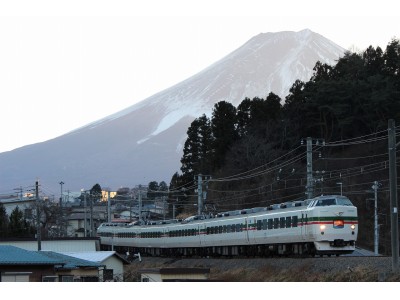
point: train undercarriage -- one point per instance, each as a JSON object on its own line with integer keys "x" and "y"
{"x": 285, "y": 250}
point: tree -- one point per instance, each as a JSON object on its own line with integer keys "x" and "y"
{"x": 18, "y": 226}
{"x": 197, "y": 151}
{"x": 95, "y": 192}
{"x": 152, "y": 190}
{"x": 223, "y": 125}
{"x": 3, "y": 221}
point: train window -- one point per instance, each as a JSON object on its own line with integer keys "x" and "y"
{"x": 220, "y": 229}
{"x": 288, "y": 222}
{"x": 265, "y": 224}
{"x": 282, "y": 222}
{"x": 224, "y": 230}
{"x": 276, "y": 223}
{"x": 326, "y": 202}
{"x": 259, "y": 224}
{"x": 238, "y": 228}
{"x": 233, "y": 228}
{"x": 208, "y": 230}
{"x": 228, "y": 228}
{"x": 295, "y": 220}
{"x": 270, "y": 224}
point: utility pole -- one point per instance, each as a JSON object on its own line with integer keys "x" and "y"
{"x": 61, "y": 212}
{"x": 200, "y": 194}
{"x": 310, "y": 183}
{"x": 393, "y": 195}
{"x": 376, "y": 229}
{"x": 85, "y": 208}
{"x": 38, "y": 229}
{"x": 91, "y": 215}
{"x": 310, "y": 179}
{"x": 108, "y": 207}
{"x": 140, "y": 204}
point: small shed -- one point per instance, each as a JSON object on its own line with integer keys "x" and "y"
{"x": 174, "y": 274}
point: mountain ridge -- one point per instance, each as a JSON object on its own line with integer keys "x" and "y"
{"x": 143, "y": 142}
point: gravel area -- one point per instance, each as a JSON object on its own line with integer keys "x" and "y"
{"x": 342, "y": 268}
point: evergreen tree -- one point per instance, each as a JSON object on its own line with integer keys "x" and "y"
{"x": 223, "y": 125}
{"x": 18, "y": 227}
{"x": 3, "y": 221}
{"x": 96, "y": 192}
{"x": 197, "y": 150}
{"x": 152, "y": 190}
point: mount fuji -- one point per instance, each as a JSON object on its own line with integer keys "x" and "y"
{"x": 144, "y": 142}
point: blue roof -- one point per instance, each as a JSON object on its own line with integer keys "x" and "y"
{"x": 71, "y": 262}
{"x": 10, "y": 255}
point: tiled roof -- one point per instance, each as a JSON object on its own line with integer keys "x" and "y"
{"x": 10, "y": 255}
{"x": 71, "y": 262}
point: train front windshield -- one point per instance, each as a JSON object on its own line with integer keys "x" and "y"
{"x": 334, "y": 201}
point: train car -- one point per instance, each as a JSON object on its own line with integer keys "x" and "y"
{"x": 324, "y": 225}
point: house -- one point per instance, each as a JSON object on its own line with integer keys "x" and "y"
{"x": 174, "y": 274}
{"x": 113, "y": 263}
{"x": 21, "y": 265}
{"x": 56, "y": 244}
{"x": 74, "y": 269}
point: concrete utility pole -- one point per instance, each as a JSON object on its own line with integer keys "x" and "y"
{"x": 393, "y": 195}
{"x": 61, "y": 212}
{"x": 91, "y": 216}
{"x": 310, "y": 179}
{"x": 38, "y": 229}
{"x": 85, "y": 213}
{"x": 140, "y": 204}
{"x": 200, "y": 194}
{"x": 108, "y": 207}
{"x": 376, "y": 228}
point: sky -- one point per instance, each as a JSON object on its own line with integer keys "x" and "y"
{"x": 65, "y": 64}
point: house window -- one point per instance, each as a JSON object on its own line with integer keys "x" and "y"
{"x": 49, "y": 278}
{"x": 67, "y": 278}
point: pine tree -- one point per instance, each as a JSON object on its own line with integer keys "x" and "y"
{"x": 18, "y": 225}
{"x": 3, "y": 221}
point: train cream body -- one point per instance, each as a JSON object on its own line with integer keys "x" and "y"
{"x": 323, "y": 225}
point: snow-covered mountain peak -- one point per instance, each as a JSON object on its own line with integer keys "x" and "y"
{"x": 144, "y": 141}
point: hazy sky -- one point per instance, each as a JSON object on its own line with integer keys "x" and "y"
{"x": 64, "y": 64}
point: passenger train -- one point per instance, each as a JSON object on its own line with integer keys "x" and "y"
{"x": 325, "y": 225}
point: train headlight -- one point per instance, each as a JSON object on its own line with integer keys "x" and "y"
{"x": 352, "y": 226}
{"x": 322, "y": 228}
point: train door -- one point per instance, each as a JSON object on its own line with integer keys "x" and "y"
{"x": 304, "y": 224}
{"x": 202, "y": 234}
{"x": 307, "y": 228}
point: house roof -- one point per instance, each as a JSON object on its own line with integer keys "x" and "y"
{"x": 70, "y": 261}
{"x": 96, "y": 256}
{"x": 10, "y": 255}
